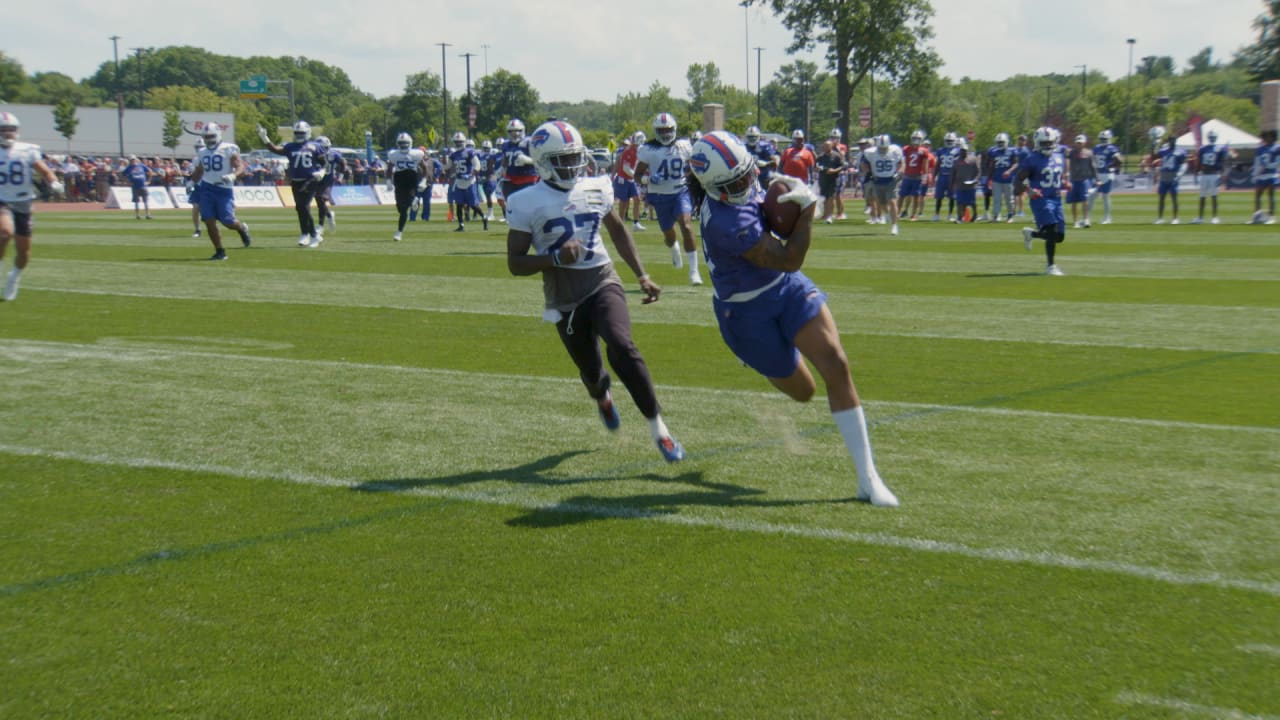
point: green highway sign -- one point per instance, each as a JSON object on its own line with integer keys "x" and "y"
{"x": 255, "y": 88}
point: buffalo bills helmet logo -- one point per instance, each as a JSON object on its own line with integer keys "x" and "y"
{"x": 699, "y": 163}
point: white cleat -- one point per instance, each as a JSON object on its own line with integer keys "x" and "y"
{"x": 396, "y": 237}
{"x": 1078, "y": 224}
{"x": 1088, "y": 224}
{"x": 195, "y": 234}
{"x": 827, "y": 220}
{"x": 842, "y": 216}
{"x": 677, "y": 256}
{"x": 1270, "y": 221}
{"x": 694, "y": 278}
{"x": 1026, "y": 237}
{"x": 1214, "y": 221}
{"x": 331, "y": 222}
{"x": 1175, "y": 221}
{"x": 935, "y": 217}
{"x": 316, "y": 240}
{"x": 637, "y": 226}
{"x": 304, "y": 240}
{"x": 1106, "y": 220}
{"x": 1054, "y": 270}
{"x": 876, "y": 492}
{"x": 894, "y": 230}
{"x": 1196, "y": 221}
{"x": 1158, "y": 221}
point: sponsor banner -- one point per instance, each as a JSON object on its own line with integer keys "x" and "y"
{"x": 121, "y": 198}
{"x": 353, "y": 195}
{"x": 258, "y": 196}
{"x": 439, "y": 194}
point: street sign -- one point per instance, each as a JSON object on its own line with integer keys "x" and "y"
{"x": 255, "y": 88}
{"x": 864, "y": 117}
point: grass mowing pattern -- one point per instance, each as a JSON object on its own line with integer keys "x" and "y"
{"x": 362, "y": 481}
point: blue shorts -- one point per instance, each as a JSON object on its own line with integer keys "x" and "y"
{"x": 463, "y": 196}
{"x": 1079, "y": 191}
{"x": 1264, "y": 182}
{"x": 193, "y": 197}
{"x": 489, "y": 187}
{"x": 624, "y": 189}
{"x": 966, "y": 196}
{"x": 943, "y": 189}
{"x": 1104, "y": 188}
{"x": 911, "y": 187}
{"x": 671, "y": 207}
{"x": 1168, "y": 187}
{"x": 1048, "y": 211}
{"x": 217, "y": 203}
{"x": 762, "y": 331}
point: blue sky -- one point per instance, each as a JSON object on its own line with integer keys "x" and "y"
{"x": 597, "y": 49}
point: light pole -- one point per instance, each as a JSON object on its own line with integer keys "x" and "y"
{"x": 115, "y": 51}
{"x": 1048, "y": 100}
{"x": 1128, "y": 101}
{"x": 758, "y": 120}
{"x": 1084, "y": 83}
{"x": 444, "y": 92}
{"x": 471, "y": 124}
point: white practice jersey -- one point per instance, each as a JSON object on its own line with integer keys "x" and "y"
{"x": 884, "y": 165}
{"x": 16, "y": 172}
{"x": 553, "y": 217}
{"x": 216, "y": 162}
{"x": 400, "y": 160}
{"x": 667, "y": 165}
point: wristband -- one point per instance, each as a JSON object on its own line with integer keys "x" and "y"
{"x": 555, "y": 257}
{"x": 642, "y": 277}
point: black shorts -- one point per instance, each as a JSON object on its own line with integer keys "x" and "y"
{"x": 21, "y": 220}
{"x": 139, "y": 194}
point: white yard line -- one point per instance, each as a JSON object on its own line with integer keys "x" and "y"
{"x": 526, "y": 501}
{"x": 137, "y": 349}
{"x": 1260, "y": 649}
{"x": 1182, "y": 706}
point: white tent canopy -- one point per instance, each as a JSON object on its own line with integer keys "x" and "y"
{"x": 1233, "y": 136}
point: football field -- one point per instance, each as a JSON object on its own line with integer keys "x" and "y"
{"x": 363, "y": 481}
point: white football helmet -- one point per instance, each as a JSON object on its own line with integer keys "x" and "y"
{"x": 558, "y": 153}
{"x": 1081, "y": 139}
{"x": 515, "y": 130}
{"x": 950, "y": 139}
{"x": 471, "y": 143}
{"x": 9, "y": 126}
{"x": 460, "y": 140}
{"x": 1046, "y": 140}
{"x": 404, "y": 141}
{"x": 836, "y": 134}
{"x": 1156, "y": 133}
{"x": 725, "y": 168}
{"x": 1213, "y": 136}
{"x": 797, "y": 134}
{"x": 324, "y": 142}
{"x": 664, "y": 128}
{"x": 486, "y": 145}
{"x": 752, "y": 136}
{"x": 1105, "y": 137}
{"x": 639, "y": 138}
{"x": 212, "y": 134}
{"x": 1002, "y": 140}
{"x": 695, "y": 137}
{"x": 882, "y": 143}
{"x": 917, "y": 137}
{"x": 301, "y": 131}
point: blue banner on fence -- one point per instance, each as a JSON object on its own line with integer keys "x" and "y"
{"x": 354, "y": 195}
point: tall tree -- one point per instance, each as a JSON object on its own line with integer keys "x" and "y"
{"x": 503, "y": 95}
{"x": 1201, "y": 62}
{"x": 171, "y": 134}
{"x": 1263, "y": 57}
{"x": 885, "y": 37}
{"x": 12, "y": 78}
{"x": 704, "y": 82}
{"x": 65, "y": 120}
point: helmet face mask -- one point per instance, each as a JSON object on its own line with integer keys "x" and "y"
{"x": 725, "y": 168}
{"x": 404, "y": 141}
{"x": 324, "y": 142}
{"x": 950, "y": 139}
{"x": 1105, "y": 136}
{"x": 664, "y": 128}
{"x": 1046, "y": 140}
{"x": 1213, "y": 136}
{"x": 301, "y": 131}
{"x": 459, "y": 140}
{"x": 559, "y": 154}
{"x": 752, "y": 136}
{"x": 917, "y": 137}
{"x": 882, "y": 144}
{"x": 1002, "y": 140}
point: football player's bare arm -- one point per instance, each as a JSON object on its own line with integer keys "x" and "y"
{"x": 773, "y": 254}
{"x": 622, "y": 239}
{"x": 520, "y": 262}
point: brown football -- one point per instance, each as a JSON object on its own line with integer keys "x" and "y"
{"x": 779, "y": 217}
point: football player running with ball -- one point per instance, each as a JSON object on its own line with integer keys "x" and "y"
{"x": 770, "y": 314}
{"x": 559, "y": 220}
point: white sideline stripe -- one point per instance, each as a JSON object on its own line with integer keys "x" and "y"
{"x": 130, "y": 351}
{"x": 1133, "y": 698}
{"x": 524, "y": 502}
{"x": 643, "y": 321}
{"x": 1260, "y": 649}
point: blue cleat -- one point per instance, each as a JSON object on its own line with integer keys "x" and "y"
{"x": 671, "y": 449}
{"x": 609, "y": 414}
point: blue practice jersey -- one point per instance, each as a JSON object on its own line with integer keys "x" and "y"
{"x": 1045, "y": 172}
{"x": 1002, "y": 159}
{"x": 1104, "y": 157}
{"x": 1213, "y": 158}
{"x": 304, "y": 158}
{"x": 463, "y": 164}
{"x": 729, "y": 231}
{"x": 946, "y": 160}
{"x": 764, "y": 151}
{"x": 510, "y": 151}
{"x": 138, "y": 174}
{"x": 1172, "y": 160}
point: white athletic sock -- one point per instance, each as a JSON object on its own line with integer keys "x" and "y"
{"x": 658, "y": 428}
{"x": 852, "y": 424}
{"x": 1106, "y": 205}
{"x": 691, "y": 258}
